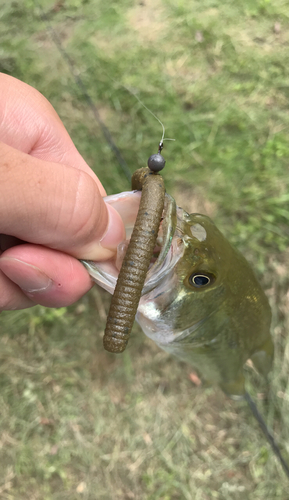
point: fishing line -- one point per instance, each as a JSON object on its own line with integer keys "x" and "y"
{"x": 267, "y": 433}
{"x": 79, "y": 82}
{"x": 161, "y": 143}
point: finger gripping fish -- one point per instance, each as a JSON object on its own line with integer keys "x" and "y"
{"x": 136, "y": 262}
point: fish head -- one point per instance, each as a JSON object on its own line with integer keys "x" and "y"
{"x": 201, "y": 300}
{"x": 190, "y": 290}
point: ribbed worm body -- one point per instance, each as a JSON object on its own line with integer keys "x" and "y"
{"x": 136, "y": 262}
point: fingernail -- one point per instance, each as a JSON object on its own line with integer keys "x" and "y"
{"x": 28, "y": 277}
{"x": 114, "y": 235}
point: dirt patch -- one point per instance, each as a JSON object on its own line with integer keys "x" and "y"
{"x": 148, "y": 19}
{"x": 193, "y": 201}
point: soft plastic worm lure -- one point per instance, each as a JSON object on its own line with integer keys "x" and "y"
{"x": 136, "y": 262}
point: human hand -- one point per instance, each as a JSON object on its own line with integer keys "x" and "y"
{"x": 51, "y": 206}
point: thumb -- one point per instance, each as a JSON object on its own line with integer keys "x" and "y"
{"x": 57, "y": 206}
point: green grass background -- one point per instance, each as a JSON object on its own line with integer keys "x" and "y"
{"x": 77, "y": 422}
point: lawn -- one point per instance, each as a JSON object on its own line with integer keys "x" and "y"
{"x": 77, "y": 422}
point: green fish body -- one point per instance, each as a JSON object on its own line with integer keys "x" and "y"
{"x": 201, "y": 301}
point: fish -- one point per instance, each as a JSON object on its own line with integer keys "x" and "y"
{"x": 201, "y": 300}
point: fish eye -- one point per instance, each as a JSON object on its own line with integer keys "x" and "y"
{"x": 200, "y": 280}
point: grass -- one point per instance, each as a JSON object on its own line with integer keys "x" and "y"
{"x": 77, "y": 422}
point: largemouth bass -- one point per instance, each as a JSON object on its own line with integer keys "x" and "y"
{"x": 201, "y": 300}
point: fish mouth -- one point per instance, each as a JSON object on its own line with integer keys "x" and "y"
{"x": 166, "y": 253}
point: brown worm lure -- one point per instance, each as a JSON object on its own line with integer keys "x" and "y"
{"x": 136, "y": 262}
